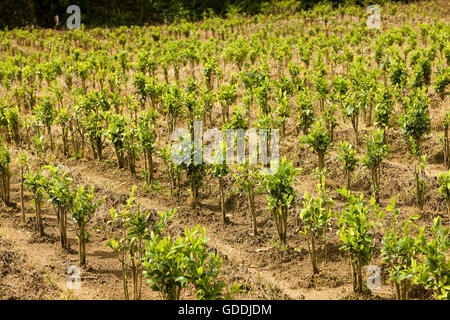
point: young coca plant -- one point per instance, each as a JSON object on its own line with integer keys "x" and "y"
{"x": 220, "y": 170}
{"x": 351, "y": 111}
{"x": 376, "y": 151}
{"x": 281, "y": 194}
{"x": 36, "y": 182}
{"x": 115, "y": 134}
{"x": 38, "y": 143}
{"x": 83, "y": 208}
{"x": 147, "y": 140}
{"x": 202, "y": 266}
{"x": 191, "y": 54}
{"x": 340, "y": 87}
{"x": 132, "y": 106}
{"x": 384, "y": 106}
{"x": 355, "y": 231}
{"x": 4, "y": 122}
{"x": 315, "y": 218}
{"x": 398, "y": 250}
{"x": 264, "y": 125}
{"x": 210, "y": 67}
{"x": 172, "y": 264}
{"x": 294, "y": 72}
{"x": 236, "y": 52}
{"x": 330, "y": 119}
{"x": 172, "y": 105}
{"x": 284, "y": 87}
{"x": 173, "y": 170}
{"x": 63, "y": 118}
{"x": 261, "y": 92}
{"x": 444, "y": 188}
{"x": 227, "y": 96}
{"x": 398, "y": 72}
{"x": 283, "y": 111}
{"x": 415, "y": 122}
{"x": 142, "y": 89}
{"x": 12, "y": 117}
{"x": 5, "y": 173}
{"x": 94, "y": 125}
{"x": 305, "y": 111}
{"x": 319, "y": 141}
{"x": 321, "y": 88}
{"x": 247, "y": 177}
{"x": 207, "y": 98}
{"x": 59, "y": 194}
{"x": 46, "y": 114}
{"x": 347, "y": 157}
{"x": 238, "y": 119}
{"x": 432, "y": 267}
{"x": 195, "y": 173}
{"x": 153, "y": 90}
{"x": 131, "y": 221}
{"x": 131, "y": 146}
{"x": 366, "y": 95}
{"x": 422, "y": 73}
{"x": 441, "y": 80}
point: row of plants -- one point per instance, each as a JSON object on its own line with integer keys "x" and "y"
{"x": 412, "y": 258}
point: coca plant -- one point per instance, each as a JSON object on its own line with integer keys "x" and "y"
{"x": 93, "y": 123}
{"x": 376, "y": 151}
{"x": 330, "y": 119}
{"x": 170, "y": 265}
{"x": 83, "y": 208}
{"x": 351, "y": 110}
{"x": 60, "y": 195}
{"x": 441, "y": 80}
{"x": 283, "y": 110}
{"x": 384, "y": 106}
{"x": 247, "y": 177}
{"x": 173, "y": 169}
{"x": 115, "y": 134}
{"x": 305, "y": 111}
{"x": 63, "y": 119}
{"x": 398, "y": 249}
{"x": 281, "y": 194}
{"x": 45, "y": 113}
{"x": 220, "y": 170}
{"x": 147, "y": 139}
{"x": 315, "y": 219}
{"x": 172, "y": 105}
{"x": 415, "y": 121}
{"x": 319, "y": 141}
{"x": 129, "y": 244}
{"x": 347, "y": 157}
{"x": 36, "y": 182}
{"x": 355, "y": 231}
{"x": 227, "y": 95}
{"x": 131, "y": 146}
{"x": 432, "y": 266}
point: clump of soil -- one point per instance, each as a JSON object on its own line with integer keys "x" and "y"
{"x": 19, "y": 280}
